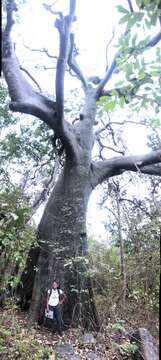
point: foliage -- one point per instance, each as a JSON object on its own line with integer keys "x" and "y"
{"x": 118, "y": 326}
{"x": 142, "y": 276}
{"x": 6, "y": 117}
{"x": 125, "y": 348}
{"x": 140, "y": 80}
{"x": 19, "y": 342}
{"x": 24, "y": 142}
{"x": 16, "y": 236}
{"x": 23, "y": 342}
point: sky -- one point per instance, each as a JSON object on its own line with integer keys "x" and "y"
{"x": 93, "y": 29}
{"x": 96, "y": 21}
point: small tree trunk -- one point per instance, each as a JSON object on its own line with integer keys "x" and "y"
{"x": 63, "y": 249}
{"x": 122, "y": 260}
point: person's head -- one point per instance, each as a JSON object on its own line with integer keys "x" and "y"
{"x": 55, "y": 284}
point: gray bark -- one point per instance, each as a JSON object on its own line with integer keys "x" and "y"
{"x": 63, "y": 248}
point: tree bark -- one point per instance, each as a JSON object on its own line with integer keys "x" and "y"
{"x": 63, "y": 249}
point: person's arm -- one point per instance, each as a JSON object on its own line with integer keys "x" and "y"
{"x": 63, "y": 297}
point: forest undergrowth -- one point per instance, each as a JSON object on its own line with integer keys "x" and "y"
{"x": 21, "y": 341}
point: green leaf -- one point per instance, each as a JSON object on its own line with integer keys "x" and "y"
{"x": 139, "y": 2}
{"x": 124, "y": 19}
{"x": 134, "y": 40}
{"x": 158, "y": 54}
{"x": 156, "y": 122}
{"x": 128, "y": 69}
{"x": 121, "y": 9}
{"x": 154, "y": 19}
{"x": 119, "y": 83}
{"x": 141, "y": 75}
{"x": 122, "y": 101}
{"x": 110, "y": 105}
{"x": 154, "y": 73}
{"x": 148, "y": 23}
{"x": 14, "y": 216}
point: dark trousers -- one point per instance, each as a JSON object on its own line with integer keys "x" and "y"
{"x": 57, "y": 315}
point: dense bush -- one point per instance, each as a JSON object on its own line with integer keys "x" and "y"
{"x": 16, "y": 236}
{"x": 142, "y": 279}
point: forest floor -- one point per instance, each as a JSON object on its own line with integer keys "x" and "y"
{"x": 19, "y": 341}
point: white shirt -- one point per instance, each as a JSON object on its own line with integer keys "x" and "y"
{"x": 54, "y": 297}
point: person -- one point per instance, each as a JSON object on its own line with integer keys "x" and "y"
{"x": 55, "y": 298}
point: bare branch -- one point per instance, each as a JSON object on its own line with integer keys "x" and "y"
{"x": 73, "y": 64}
{"x": 137, "y": 203}
{"x": 49, "y": 8}
{"x": 107, "y": 46}
{"x": 23, "y": 97}
{"x": 130, "y": 5}
{"x": 108, "y": 126}
{"x": 99, "y": 139}
{"x": 107, "y": 77}
{"x": 44, "y": 51}
{"x": 64, "y": 28}
{"x": 155, "y": 40}
{"x": 41, "y": 197}
{"x": 102, "y": 147}
{"x": 64, "y": 131}
{"x": 72, "y": 7}
{"x": 127, "y": 122}
{"x": 31, "y": 77}
{"x": 45, "y": 67}
{"x": 102, "y": 170}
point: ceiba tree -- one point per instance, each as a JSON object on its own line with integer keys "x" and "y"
{"x": 62, "y": 230}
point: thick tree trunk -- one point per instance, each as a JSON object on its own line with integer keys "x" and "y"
{"x": 63, "y": 253}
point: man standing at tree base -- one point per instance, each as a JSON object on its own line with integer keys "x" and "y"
{"x": 55, "y": 298}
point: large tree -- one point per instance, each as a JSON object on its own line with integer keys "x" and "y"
{"x": 62, "y": 230}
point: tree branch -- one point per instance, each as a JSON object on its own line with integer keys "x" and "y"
{"x": 23, "y": 97}
{"x": 110, "y": 71}
{"x": 49, "y": 8}
{"x": 64, "y": 131}
{"x": 102, "y": 170}
{"x": 107, "y": 46}
{"x": 31, "y": 77}
{"x": 130, "y": 5}
{"x": 107, "y": 77}
{"x": 64, "y": 27}
{"x": 49, "y": 184}
{"x": 129, "y": 90}
{"x": 73, "y": 64}
{"x": 155, "y": 40}
{"x": 44, "y": 51}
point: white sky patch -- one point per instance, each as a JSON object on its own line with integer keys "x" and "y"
{"x": 136, "y": 139}
{"x": 95, "y": 219}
